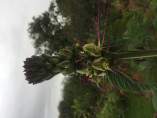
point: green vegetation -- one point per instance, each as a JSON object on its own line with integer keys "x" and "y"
{"x": 133, "y": 24}
{"x": 138, "y": 108}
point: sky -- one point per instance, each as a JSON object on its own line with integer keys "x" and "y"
{"x": 18, "y": 99}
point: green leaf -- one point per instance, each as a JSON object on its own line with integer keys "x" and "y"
{"x": 91, "y": 49}
{"x": 154, "y": 99}
{"x": 119, "y": 27}
{"x": 66, "y": 52}
{"x": 54, "y": 60}
{"x": 83, "y": 71}
{"x": 124, "y": 82}
{"x": 117, "y": 42}
{"x": 63, "y": 55}
{"x": 135, "y": 66}
{"x": 67, "y": 71}
{"x": 120, "y": 82}
{"x": 144, "y": 65}
{"x": 56, "y": 70}
{"x": 100, "y": 64}
{"x": 137, "y": 54}
{"x": 64, "y": 64}
{"x": 97, "y": 67}
{"x": 97, "y": 60}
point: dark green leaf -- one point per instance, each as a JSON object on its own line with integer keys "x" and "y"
{"x": 128, "y": 84}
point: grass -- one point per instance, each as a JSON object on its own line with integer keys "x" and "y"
{"x": 138, "y": 107}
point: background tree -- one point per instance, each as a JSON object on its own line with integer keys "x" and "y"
{"x": 74, "y": 90}
{"x": 64, "y": 21}
{"x": 47, "y": 32}
{"x": 79, "y": 13}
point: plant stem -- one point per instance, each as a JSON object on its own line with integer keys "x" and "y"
{"x": 98, "y": 2}
{"x": 106, "y": 23}
{"x": 116, "y": 45}
{"x": 138, "y": 54}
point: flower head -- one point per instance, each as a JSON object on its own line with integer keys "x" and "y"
{"x": 38, "y": 68}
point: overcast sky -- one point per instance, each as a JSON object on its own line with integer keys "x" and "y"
{"x": 18, "y": 99}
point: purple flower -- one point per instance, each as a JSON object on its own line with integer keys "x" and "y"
{"x": 38, "y": 68}
{"x": 85, "y": 79}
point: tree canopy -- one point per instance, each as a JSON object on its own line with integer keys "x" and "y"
{"x": 60, "y": 24}
{"x": 47, "y": 32}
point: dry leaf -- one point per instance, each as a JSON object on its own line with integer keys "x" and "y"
{"x": 122, "y": 92}
{"x": 137, "y": 76}
{"x": 155, "y": 115}
{"x": 148, "y": 95}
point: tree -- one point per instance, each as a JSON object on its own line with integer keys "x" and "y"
{"x": 85, "y": 95}
{"x": 47, "y": 32}
{"x": 79, "y": 13}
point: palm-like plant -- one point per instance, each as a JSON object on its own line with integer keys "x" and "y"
{"x": 92, "y": 61}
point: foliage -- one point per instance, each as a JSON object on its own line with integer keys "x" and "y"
{"x": 111, "y": 106}
{"x": 47, "y": 32}
{"x": 154, "y": 99}
{"x": 138, "y": 107}
{"x": 131, "y": 30}
{"x": 79, "y": 110}
{"x": 83, "y": 101}
{"x": 79, "y": 14}
{"x": 50, "y": 34}
{"x": 129, "y": 84}
{"x": 77, "y": 98}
